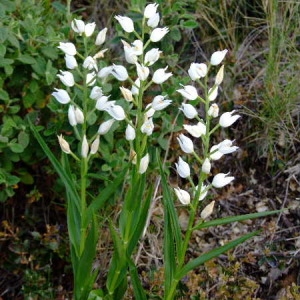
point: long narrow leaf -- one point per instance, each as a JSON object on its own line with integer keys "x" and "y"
{"x": 232, "y": 219}
{"x": 212, "y": 254}
{"x": 69, "y": 184}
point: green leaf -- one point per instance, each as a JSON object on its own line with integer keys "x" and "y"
{"x": 212, "y": 254}
{"x": 175, "y": 34}
{"x": 23, "y": 139}
{"x": 16, "y": 148}
{"x": 4, "y": 95}
{"x": 26, "y": 59}
{"x": 190, "y": 24}
{"x": 232, "y": 219}
{"x": 2, "y": 50}
{"x": 3, "y": 34}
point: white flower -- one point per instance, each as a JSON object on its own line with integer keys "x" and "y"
{"x": 150, "y": 111}
{"x": 189, "y": 110}
{"x": 89, "y": 29}
{"x": 220, "y": 76}
{"x": 61, "y": 96}
{"x": 104, "y": 72}
{"x": 206, "y": 166}
{"x": 161, "y": 76}
{"x": 130, "y": 133}
{"x": 78, "y": 26}
{"x": 105, "y": 126}
{"x": 144, "y": 164}
{"x": 159, "y": 102}
{"x": 90, "y": 64}
{"x": 96, "y": 93}
{"x": 101, "y": 36}
{"x": 221, "y": 179}
{"x": 119, "y": 72}
{"x": 213, "y": 93}
{"x": 67, "y": 48}
{"x": 217, "y": 57}
{"x": 195, "y": 130}
{"x": 116, "y": 111}
{"x": 152, "y": 56}
{"x": 79, "y": 115}
{"x": 138, "y": 47}
{"x": 208, "y": 210}
{"x": 150, "y": 10}
{"x": 64, "y": 145}
{"x": 84, "y": 147}
{"x": 227, "y": 119}
{"x": 215, "y": 154}
{"x": 226, "y": 147}
{"x": 153, "y": 21}
{"x": 126, "y": 23}
{"x": 135, "y": 88}
{"x": 91, "y": 78}
{"x": 197, "y": 71}
{"x": 95, "y": 145}
{"x": 186, "y": 144}
{"x": 127, "y": 94}
{"x": 71, "y": 115}
{"x": 130, "y": 54}
{"x": 213, "y": 110}
{"x": 183, "y": 168}
{"x": 158, "y": 33}
{"x": 142, "y": 71}
{"x": 147, "y": 126}
{"x": 183, "y": 196}
{"x": 189, "y": 92}
{"x": 203, "y": 191}
{"x": 66, "y": 78}
{"x": 71, "y": 62}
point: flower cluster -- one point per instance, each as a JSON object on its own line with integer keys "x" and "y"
{"x": 203, "y": 131}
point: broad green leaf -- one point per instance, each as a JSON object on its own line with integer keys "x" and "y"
{"x": 190, "y": 24}
{"x": 212, "y": 254}
{"x": 4, "y": 95}
{"x": 16, "y": 148}
{"x": 2, "y": 50}
{"x": 23, "y": 139}
{"x": 232, "y": 219}
{"x": 26, "y": 59}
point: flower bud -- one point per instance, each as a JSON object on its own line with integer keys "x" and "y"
{"x": 90, "y": 64}
{"x": 144, "y": 164}
{"x": 79, "y": 115}
{"x": 213, "y": 93}
{"x": 203, "y": 191}
{"x": 158, "y": 33}
{"x": 183, "y": 168}
{"x": 126, "y": 23}
{"x": 96, "y": 93}
{"x": 84, "y": 147}
{"x": 208, "y": 210}
{"x": 61, "y": 96}
{"x": 78, "y": 26}
{"x": 161, "y": 76}
{"x": 71, "y": 115}
{"x": 129, "y": 133}
{"x": 91, "y": 78}
{"x": 220, "y": 76}
{"x": 226, "y": 147}
{"x": 101, "y": 36}
{"x": 206, "y": 166}
{"x": 189, "y": 92}
{"x": 214, "y": 153}
{"x": 104, "y": 72}
{"x": 127, "y": 94}
{"x": 138, "y": 47}
{"x": 64, "y": 145}
{"x": 189, "y": 110}
{"x": 183, "y": 196}
{"x": 217, "y": 57}
{"x": 135, "y": 88}
{"x": 95, "y": 145}
{"x": 67, "y": 48}
{"x": 186, "y": 144}
{"x": 102, "y": 103}
{"x": 116, "y": 111}
{"x": 105, "y": 126}
{"x": 221, "y": 179}
{"x": 130, "y": 55}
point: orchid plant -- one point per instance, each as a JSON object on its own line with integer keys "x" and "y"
{"x": 85, "y": 102}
